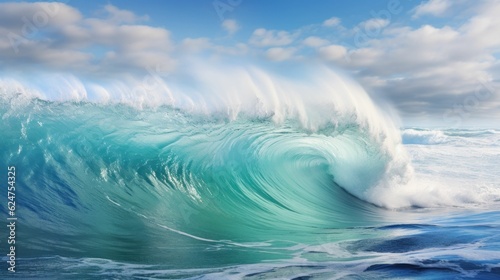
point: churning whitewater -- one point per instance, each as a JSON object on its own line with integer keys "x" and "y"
{"x": 234, "y": 169}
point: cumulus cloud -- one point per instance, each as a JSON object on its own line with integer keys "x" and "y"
{"x": 429, "y": 69}
{"x": 432, "y": 7}
{"x": 333, "y": 52}
{"x": 374, "y": 24}
{"x": 266, "y": 38}
{"x": 230, "y": 25}
{"x": 117, "y": 15}
{"x": 27, "y": 17}
{"x": 331, "y": 22}
{"x": 57, "y": 36}
{"x": 313, "y": 41}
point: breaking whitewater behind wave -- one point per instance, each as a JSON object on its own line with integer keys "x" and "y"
{"x": 155, "y": 169}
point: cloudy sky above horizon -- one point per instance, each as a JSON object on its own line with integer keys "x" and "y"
{"x": 435, "y": 60}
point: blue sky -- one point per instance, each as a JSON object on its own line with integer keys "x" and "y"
{"x": 202, "y": 18}
{"x": 437, "y": 61}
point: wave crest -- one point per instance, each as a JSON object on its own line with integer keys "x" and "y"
{"x": 214, "y": 159}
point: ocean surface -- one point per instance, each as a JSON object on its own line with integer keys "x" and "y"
{"x": 287, "y": 185}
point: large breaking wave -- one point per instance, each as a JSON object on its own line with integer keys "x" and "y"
{"x": 248, "y": 118}
{"x": 233, "y": 157}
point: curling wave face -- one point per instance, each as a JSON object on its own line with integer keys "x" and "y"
{"x": 243, "y": 168}
{"x": 237, "y": 166}
{"x": 245, "y": 159}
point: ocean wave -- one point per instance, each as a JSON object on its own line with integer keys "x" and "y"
{"x": 424, "y": 137}
{"x": 235, "y": 162}
{"x": 462, "y": 137}
{"x": 232, "y": 162}
{"x": 322, "y": 104}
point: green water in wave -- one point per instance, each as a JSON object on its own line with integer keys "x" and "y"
{"x": 113, "y": 182}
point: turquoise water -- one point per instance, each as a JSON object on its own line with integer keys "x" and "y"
{"x": 109, "y": 191}
{"x": 106, "y": 190}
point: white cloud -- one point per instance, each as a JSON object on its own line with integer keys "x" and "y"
{"x": 333, "y": 52}
{"x": 438, "y": 66}
{"x": 374, "y": 24}
{"x": 430, "y": 69}
{"x": 313, "y": 41}
{"x": 36, "y": 15}
{"x": 280, "y": 54}
{"x": 432, "y": 7}
{"x": 331, "y": 22}
{"x": 265, "y": 38}
{"x": 117, "y": 15}
{"x": 230, "y": 25}
{"x": 59, "y": 37}
{"x": 363, "y": 57}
